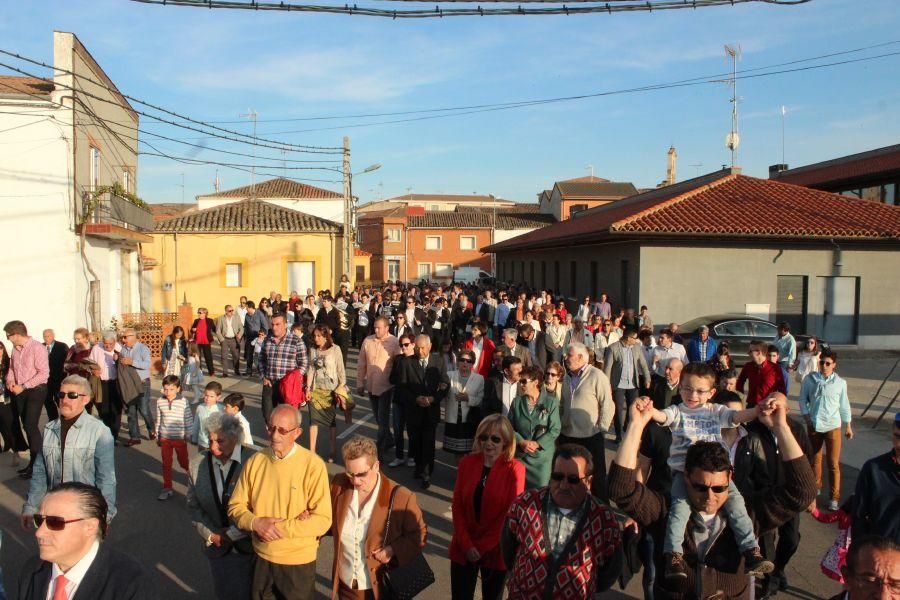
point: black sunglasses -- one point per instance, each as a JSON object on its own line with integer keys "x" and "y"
{"x": 407, "y": 344}
{"x": 53, "y": 523}
{"x": 702, "y": 488}
{"x": 466, "y": 360}
{"x": 571, "y": 479}
{"x": 494, "y": 438}
{"x": 69, "y": 395}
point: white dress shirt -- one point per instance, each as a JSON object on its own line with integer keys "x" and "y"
{"x": 220, "y": 472}
{"x": 353, "y": 540}
{"x": 510, "y": 391}
{"x": 75, "y": 575}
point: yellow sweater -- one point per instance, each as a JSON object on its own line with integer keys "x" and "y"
{"x": 269, "y": 487}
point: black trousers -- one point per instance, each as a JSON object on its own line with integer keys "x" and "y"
{"x": 248, "y": 349}
{"x": 596, "y": 445}
{"x": 422, "y": 425}
{"x": 29, "y": 404}
{"x": 623, "y": 399}
{"x": 206, "y": 350}
{"x": 110, "y": 410}
{"x": 50, "y": 402}
{"x": 271, "y": 397}
{"x": 10, "y": 427}
{"x": 283, "y": 582}
{"x": 788, "y": 542}
{"x": 464, "y": 578}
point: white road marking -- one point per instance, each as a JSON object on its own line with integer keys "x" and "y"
{"x": 168, "y": 573}
{"x": 353, "y": 427}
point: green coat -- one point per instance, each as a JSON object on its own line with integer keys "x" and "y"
{"x": 525, "y": 424}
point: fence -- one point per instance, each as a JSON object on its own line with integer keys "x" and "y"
{"x": 151, "y": 329}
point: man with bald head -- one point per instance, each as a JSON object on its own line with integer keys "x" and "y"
{"x": 665, "y": 389}
{"x": 278, "y": 485}
{"x": 424, "y": 377}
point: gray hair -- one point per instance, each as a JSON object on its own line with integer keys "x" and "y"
{"x": 109, "y": 334}
{"x": 225, "y": 425}
{"x": 84, "y": 387}
{"x": 511, "y": 332}
{"x": 580, "y": 348}
{"x": 423, "y": 338}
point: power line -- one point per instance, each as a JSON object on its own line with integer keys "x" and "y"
{"x": 300, "y": 147}
{"x": 478, "y": 11}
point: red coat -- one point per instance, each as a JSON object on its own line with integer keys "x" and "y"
{"x": 504, "y": 484}
{"x": 485, "y": 361}
{"x": 763, "y": 381}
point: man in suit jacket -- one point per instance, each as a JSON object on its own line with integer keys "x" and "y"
{"x": 213, "y": 477}
{"x": 628, "y": 373}
{"x": 511, "y": 347}
{"x": 74, "y": 557}
{"x": 701, "y": 348}
{"x": 56, "y": 354}
{"x": 229, "y": 330}
{"x": 369, "y": 490}
{"x": 424, "y": 379}
{"x": 535, "y": 343}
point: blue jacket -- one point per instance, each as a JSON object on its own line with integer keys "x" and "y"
{"x": 169, "y": 343}
{"x": 693, "y": 349}
{"x": 88, "y": 458}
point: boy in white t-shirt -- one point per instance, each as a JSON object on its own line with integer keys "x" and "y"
{"x": 234, "y": 405}
{"x": 695, "y": 420}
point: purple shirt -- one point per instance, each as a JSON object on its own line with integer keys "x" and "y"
{"x": 30, "y": 365}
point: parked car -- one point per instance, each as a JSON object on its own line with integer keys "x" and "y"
{"x": 738, "y": 331}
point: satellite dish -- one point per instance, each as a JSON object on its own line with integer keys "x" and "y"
{"x": 732, "y": 140}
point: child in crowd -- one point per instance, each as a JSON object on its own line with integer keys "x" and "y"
{"x": 192, "y": 373}
{"x": 772, "y": 354}
{"x": 836, "y": 557}
{"x": 234, "y": 406}
{"x": 694, "y": 420}
{"x": 173, "y": 425}
{"x": 211, "y": 396}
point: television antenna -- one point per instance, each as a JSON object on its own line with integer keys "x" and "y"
{"x": 733, "y": 139}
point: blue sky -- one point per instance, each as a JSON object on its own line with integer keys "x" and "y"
{"x": 216, "y": 64}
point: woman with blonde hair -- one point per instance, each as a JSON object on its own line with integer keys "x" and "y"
{"x": 488, "y": 481}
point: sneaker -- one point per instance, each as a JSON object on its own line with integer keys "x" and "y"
{"x": 165, "y": 494}
{"x": 410, "y": 462}
{"x": 676, "y": 569}
{"x": 397, "y": 462}
{"x": 426, "y": 483}
{"x": 755, "y": 563}
{"x": 833, "y": 505}
{"x": 132, "y": 442}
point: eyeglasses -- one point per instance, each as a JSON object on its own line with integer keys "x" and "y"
{"x": 703, "y": 488}
{"x": 466, "y": 360}
{"x": 494, "y": 438}
{"x": 272, "y": 429}
{"x": 53, "y": 523}
{"x": 872, "y": 581}
{"x": 687, "y": 391}
{"x": 571, "y": 479}
{"x": 229, "y": 311}
{"x": 552, "y": 374}
{"x": 359, "y": 475}
{"x": 69, "y": 395}
{"x": 827, "y": 363}
{"x": 407, "y": 345}
{"x": 525, "y": 381}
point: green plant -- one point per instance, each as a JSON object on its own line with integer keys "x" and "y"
{"x": 116, "y": 189}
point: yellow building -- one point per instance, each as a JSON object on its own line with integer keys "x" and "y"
{"x": 212, "y": 257}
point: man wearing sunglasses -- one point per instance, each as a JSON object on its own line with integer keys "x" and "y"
{"x": 76, "y": 447}
{"x": 877, "y": 508}
{"x": 715, "y": 566}
{"x": 74, "y": 562}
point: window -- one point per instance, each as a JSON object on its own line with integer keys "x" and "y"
{"x": 360, "y": 273}
{"x": 764, "y": 330}
{"x": 733, "y": 328}
{"x": 443, "y": 270}
{"x": 233, "y": 274}
{"x": 467, "y": 242}
{"x": 435, "y": 207}
{"x": 424, "y": 271}
{"x": 95, "y": 168}
{"x": 393, "y": 269}
{"x": 432, "y": 242}
{"x": 394, "y": 234}
{"x": 576, "y": 208}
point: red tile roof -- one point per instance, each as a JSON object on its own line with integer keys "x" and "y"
{"x": 847, "y": 168}
{"x": 248, "y": 216}
{"x": 586, "y": 179}
{"x": 724, "y": 204}
{"x": 24, "y": 85}
{"x": 361, "y": 252}
{"x": 279, "y": 187}
{"x": 596, "y": 189}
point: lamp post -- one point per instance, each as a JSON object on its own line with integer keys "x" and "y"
{"x": 350, "y": 209}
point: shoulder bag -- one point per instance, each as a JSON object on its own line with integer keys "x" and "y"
{"x": 401, "y": 582}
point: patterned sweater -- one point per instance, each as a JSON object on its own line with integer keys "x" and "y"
{"x": 591, "y": 561}
{"x": 174, "y": 418}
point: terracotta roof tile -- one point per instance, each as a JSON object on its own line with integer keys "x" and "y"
{"x": 24, "y": 85}
{"x": 167, "y": 210}
{"x": 361, "y": 252}
{"x": 725, "y": 204}
{"x": 586, "y": 179}
{"x": 461, "y": 198}
{"x": 505, "y": 220}
{"x": 279, "y": 187}
{"x": 247, "y": 216}
{"x": 598, "y": 189}
{"x": 846, "y": 168}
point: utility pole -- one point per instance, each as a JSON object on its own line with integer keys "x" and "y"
{"x": 251, "y": 114}
{"x": 182, "y": 188}
{"x": 348, "y": 210}
{"x": 783, "y": 113}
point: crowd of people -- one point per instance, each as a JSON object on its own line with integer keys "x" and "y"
{"x": 708, "y": 481}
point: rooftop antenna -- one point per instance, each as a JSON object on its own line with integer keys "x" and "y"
{"x": 783, "y": 113}
{"x": 696, "y": 168}
{"x": 251, "y": 114}
{"x": 216, "y": 181}
{"x": 591, "y": 169}
{"x": 182, "y": 188}
{"x": 733, "y": 139}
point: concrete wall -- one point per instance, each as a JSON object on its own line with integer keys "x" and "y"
{"x": 199, "y": 261}
{"x": 331, "y": 210}
{"x": 673, "y": 278}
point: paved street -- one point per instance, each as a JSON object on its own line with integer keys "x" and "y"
{"x": 160, "y": 534}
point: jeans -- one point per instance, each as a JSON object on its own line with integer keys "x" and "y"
{"x": 680, "y": 514}
{"x": 831, "y": 440}
{"x": 399, "y": 421}
{"x": 646, "y": 548}
{"x": 381, "y": 408}
{"x": 180, "y": 449}
{"x": 142, "y": 406}
{"x": 464, "y": 578}
{"x": 623, "y": 400}
{"x": 29, "y": 404}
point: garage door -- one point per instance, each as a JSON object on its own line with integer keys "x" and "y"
{"x": 791, "y": 303}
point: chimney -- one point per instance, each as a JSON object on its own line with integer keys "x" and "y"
{"x": 774, "y": 170}
{"x": 671, "y": 168}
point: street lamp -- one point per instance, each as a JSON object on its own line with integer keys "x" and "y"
{"x": 350, "y": 215}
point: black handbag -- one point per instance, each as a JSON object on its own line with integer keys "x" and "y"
{"x": 401, "y": 582}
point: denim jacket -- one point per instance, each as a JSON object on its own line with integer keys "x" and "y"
{"x": 88, "y": 458}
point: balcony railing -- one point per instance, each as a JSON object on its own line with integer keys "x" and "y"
{"x": 114, "y": 210}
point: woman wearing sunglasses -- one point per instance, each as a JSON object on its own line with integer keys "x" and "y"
{"x": 488, "y": 481}
{"x": 534, "y": 416}
{"x": 463, "y": 406}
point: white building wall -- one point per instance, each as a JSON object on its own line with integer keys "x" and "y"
{"x": 331, "y": 210}
{"x": 501, "y": 235}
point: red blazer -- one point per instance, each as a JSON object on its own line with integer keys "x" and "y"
{"x": 485, "y": 361}
{"x": 504, "y": 484}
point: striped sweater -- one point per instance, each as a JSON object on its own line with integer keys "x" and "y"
{"x": 174, "y": 418}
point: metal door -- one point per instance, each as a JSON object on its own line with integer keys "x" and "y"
{"x": 790, "y": 305}
{"x": 838, "y": 307}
